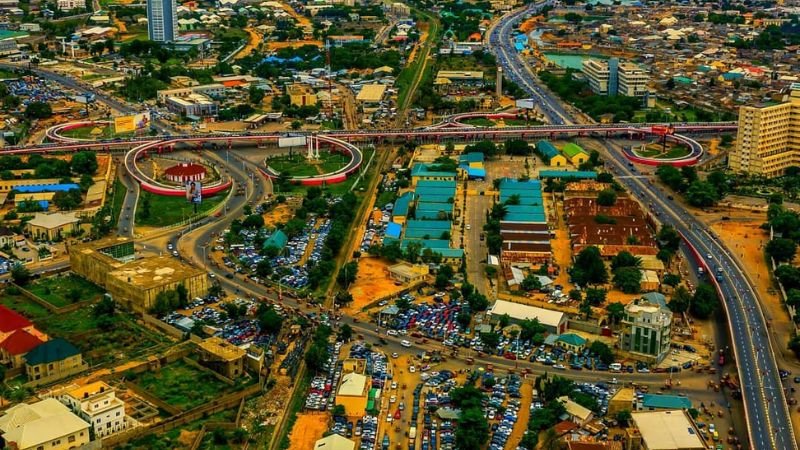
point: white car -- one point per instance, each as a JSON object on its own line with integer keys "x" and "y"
{"x": 395, "y": 355}
{"x": 392, "y": 399}
{"x": 469, "y": 227}
{"x": 394, "y": 384}
{"x": 412, "y": 369}
{"x": 405, "y": 343}
{"x": 392, "y": 333}
{"x": 389, "y": 418}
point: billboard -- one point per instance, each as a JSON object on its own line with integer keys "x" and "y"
{"x": 662, "y": 130}
{"x": 296, "y": 141}
{"x": 525, "y": 103}
{"x": 194, "y": 192}
{"x": 133, "y": 123}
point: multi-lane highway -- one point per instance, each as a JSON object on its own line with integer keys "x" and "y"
{"x": 517, "y": 70}
{"x": 767, "y": 414}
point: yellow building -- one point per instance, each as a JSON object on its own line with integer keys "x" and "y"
{"x": 622, "y": 400}
{"x": 768, "y": 139}
{"x": 352, "y": 394}
{"x": 52, "y": 226}
{"x": 112, "y": 264}
{"x": 301, "y": 94}
{"x": 47, "y": 424}
{"x": 222, "y": 357}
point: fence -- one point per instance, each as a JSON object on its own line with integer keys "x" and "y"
{"x": 49, "y": 306}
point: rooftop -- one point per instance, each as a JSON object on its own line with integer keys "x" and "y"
{"x": 352, "y": 385}
{"x": 11, "y": 320}
{"x": 53, "y": 220}
{"x": 334, "y": 442}
{"x": 20, "y": 342}
{"x": 154, "y": 271}
{"x": 29, "y": 426}
{"x": 371, "y": 93}
{"x": 667, "y": 430}
{"x": 89, "y": 390}
{"x": 222, "y": 349}
{"x": 659, "y": 401}
{"x": 54, "y": 350}
{"x": 521, "y": 312}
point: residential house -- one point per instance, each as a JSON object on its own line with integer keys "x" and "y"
{"x": 53, "y": 360}
{"x": 571, "y": 342}
{"x": 222, "y": 357}
{"x": 45, "y": 425}
{"x": 97, "y": 404}
{"x": 14, "y": 348}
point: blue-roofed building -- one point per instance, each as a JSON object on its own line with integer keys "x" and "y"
{"x": 451, "y": 184}
{"x": 471, "y": 157}
{"x": 474, "y": 173}
{"x": 427, "y": 243}
{"x": 524, "y": 229}
{"x": 434, "y": 211}
{"x": 441, "y": 225}
{"x": 653, "y": 402}
{"x": 429, "y": 172}
{"x": 568, "y": 174}
{"x": 37, "y": 188}
{"x": 401, "y": 207}
{"x": 277, "y": 240}
{"x": 550, "y": 154}
{"x": 394, "y": 230}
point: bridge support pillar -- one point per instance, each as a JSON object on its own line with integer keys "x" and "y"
{"x": 309, "y": 148}
{"x": 230, "y": 144}
{"x": 316, "y": 147}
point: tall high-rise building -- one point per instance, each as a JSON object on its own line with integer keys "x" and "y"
{"x": 613, "y": 77}
{"x": 645, "y": 330}
{"x": 768, "y": 139}
{"x": 162, "y": 20}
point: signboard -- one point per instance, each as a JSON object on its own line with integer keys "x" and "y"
{"x": 525, "y": 103}
{"x": 662, "y": 130}
{"x": 296, "y": 141}
{"x": 133, "y": 123}
{"x": 194, "y": 192}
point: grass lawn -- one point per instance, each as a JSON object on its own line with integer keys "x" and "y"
{"x": 676, "y": 152}
{"x": 479, "y": 122}
{"x": 384, "y": 198}
{"x": 57, "y": 289}
{"x": 182, "y": 385}
{"x": 64, "y": 325}
{"x": 22, "y": 305}
{"x": 647, "y": 152}
{"x": 5, "y": 74}
{"x": 342, "y": 188}
{"x": 170, "y": 439}
{"x": 117, "y": 199}
{"x": 165, "y": 211}
{"x": 86, "y": 133}
{"x": 297, "y": 166}
{"x": 520, "y": 122}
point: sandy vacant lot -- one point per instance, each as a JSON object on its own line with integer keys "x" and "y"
{"x": 307, "y": 430}
{"x": 373, "y": 282}
{"x": 281, "y": 214}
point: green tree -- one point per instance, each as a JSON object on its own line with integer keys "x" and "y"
{"x": 628, "y": 279}
{"x": 490, "y": 340}
{"x": 256, "y": 95}
{"x": 680, "y": 300}
{"x": 264, "y": 268}
{"x": 624, "y": 417}
{"x": 671, "y": 279}
{"x": 625, "y": 259}
{"x": 345, "y": 333}
{"x": 603, "y": 351}
{"x": 607, "y": 197}
{"x": 347, "y": 274}
{"x": 615, "y": 311}
{"x": 672, "y": 177}
{"x": 84, "y": 163}
{"x": 704, "y": 301}
{"x": 504, "y": 321}
{"x": 38, "y": 110}
{"x": 269, "y": 320}
{"x": 530, "y": 283}
{"x": 668, "y": 238}
{"x": 589, "y": 267}
{"x": 702, "y": 194}
{"x": 781, "y": 249}
{"x": 20, "y": 274}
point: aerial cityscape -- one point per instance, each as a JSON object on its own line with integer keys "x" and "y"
{"x": 399, "y": 225}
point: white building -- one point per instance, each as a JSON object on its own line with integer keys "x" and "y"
{"x": 646, "y": 330}
{"x": 97, "y": 404}
{"x": 162, "y": 20}
{"x": 69, "y": 5}
{"x": 611, "y": 77}
{"x": 554, "y": 321}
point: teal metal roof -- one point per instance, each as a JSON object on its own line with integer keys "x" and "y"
{"x": 430, "y": 198}
{"x": 524, "y": 217}
{"x": 525, "y": 209}
{"x": 277, "y": 240}
{"x": 546, "y": 149}
{"x": 427, "y": 243}
{"x": 51, "y": 351}
{"x": 513, "y": 185}
{"x": 443, "y": 225}
{"x": 666, "y": 401}
{"x": 423, "y": 170}
{"x": 426, "y": 206}
{"x": 436, "y": 184}
{"x": 424, "y": 233}
{"x": 572, "y": 150}
{"x": 571, "y": 339}
{"x": 577, "y": 174}
{"x": 422, "y": 191}
{"x": 402, "y": 203}
{"x": 471, "y": 157}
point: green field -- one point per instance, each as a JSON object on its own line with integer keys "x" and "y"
{"x": 654, "y": 151}
{"x": 57, "y": 290}
{"x": 86, "y": 133}
{"x": 24, "y": 306}
{"x": 117, "y": 200}
{"x": 121, "y": 340}
{"x": 166, "y": 211}
{"x": 479, "y": 122}
{"x": 297, "y": 166}
{"x": 182, "y": 385}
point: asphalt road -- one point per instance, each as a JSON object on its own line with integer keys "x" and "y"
{"x": 768, "y": 417}
{"x": 515, "y": 69}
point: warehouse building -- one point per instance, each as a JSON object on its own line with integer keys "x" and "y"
{"x": 112, "y": 264}
{"x": 550, "y": 154}
{"x": 526, "y": 236}
{"x": 664, "y": 430}
{"x": 555, "y": 322}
